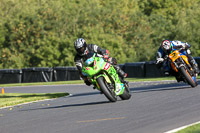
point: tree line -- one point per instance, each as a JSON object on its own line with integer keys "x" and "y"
{"x": 41, "y": 33}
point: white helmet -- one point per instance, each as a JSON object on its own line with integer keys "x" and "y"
{"x": 81, "y": 46}
{"x": 167, "y": 46}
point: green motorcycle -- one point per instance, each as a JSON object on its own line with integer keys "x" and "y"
{"x": 105, "y": 78}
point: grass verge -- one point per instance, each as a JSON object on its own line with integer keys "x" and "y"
{"x": 10, "y": 99}
{"x": 191, "y": 129}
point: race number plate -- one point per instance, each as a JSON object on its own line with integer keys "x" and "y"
{"x": 174, "y": 56}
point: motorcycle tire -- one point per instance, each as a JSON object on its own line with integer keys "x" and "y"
{"x": 187, "y": 76}
{"x": 126, "y": 94}
{"x": 110, "y": 94}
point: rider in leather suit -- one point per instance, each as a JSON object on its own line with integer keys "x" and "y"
{"x": 169, "y": 46}
{"x": 83, "y": 49}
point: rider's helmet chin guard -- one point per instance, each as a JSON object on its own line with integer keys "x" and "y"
{"x": 81, "y": 46}
{"x": 167, "y": 46}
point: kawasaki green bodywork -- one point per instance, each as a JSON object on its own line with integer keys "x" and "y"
{"x": 95, "y": 67}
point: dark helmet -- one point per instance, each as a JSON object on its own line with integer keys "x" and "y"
{"x": 81, "y": 46}
{"x": 167, "y": 46}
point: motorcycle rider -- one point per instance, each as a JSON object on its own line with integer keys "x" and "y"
{"x": 168, "y": 47}
{"x": 82, "y": 49}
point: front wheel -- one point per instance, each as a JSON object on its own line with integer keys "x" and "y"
{"x": 109, "y": 93}
{"x": 187, "y": 76}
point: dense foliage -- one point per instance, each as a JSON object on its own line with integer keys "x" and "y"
{"x": 41, "y": 33}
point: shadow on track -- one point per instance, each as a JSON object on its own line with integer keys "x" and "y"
{"x": 85, "y": 94}
{"x": 78, "y": 105}
{"x": 72, "y": 105}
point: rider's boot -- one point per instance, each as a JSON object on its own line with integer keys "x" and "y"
{"x": 194, "y": 66}
{"x": 121, "y": 73}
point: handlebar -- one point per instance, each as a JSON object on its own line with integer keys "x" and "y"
{"x": 180, "y": 49}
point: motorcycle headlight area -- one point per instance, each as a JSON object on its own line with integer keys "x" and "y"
{"x": 89, "y": 61}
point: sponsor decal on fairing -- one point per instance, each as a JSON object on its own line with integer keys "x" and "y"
{"x": 107, "y": 66}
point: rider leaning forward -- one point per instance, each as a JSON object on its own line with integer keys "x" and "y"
{"x": 169, "y": 46}
{"x": 83, "y": 49}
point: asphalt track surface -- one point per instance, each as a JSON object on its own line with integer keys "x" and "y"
{"x": 155, "y": 107}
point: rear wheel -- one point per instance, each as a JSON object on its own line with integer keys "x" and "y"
{"x": 109, "y": 93}
{"x": 187, "y": 76}
{"x": 126, "y": 94}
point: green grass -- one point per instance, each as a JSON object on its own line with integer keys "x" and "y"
{"x": 10, "y": 99}
{"x": 191, "y": 129}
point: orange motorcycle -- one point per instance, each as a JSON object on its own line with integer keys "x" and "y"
{"x": 180, "y": 64}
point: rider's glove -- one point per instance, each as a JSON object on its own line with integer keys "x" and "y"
{"x": 110, "y": 60}
{"x": 187, "y": 45}
{"x": 184, "y": 46}
{"x": 105, "y": 56}
{"x": 159, "y": 60}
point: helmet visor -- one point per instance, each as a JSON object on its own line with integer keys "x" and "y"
{"x": 81, "y": 50}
